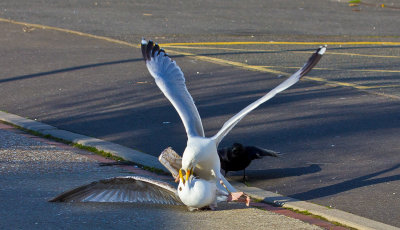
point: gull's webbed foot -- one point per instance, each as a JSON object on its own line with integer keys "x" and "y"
{"x": 239, "y": 197}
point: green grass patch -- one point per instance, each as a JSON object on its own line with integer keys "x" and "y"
{"x": 246, "y": 183}
{"x": 92, "y": 149}
{"x": 98, "y": 152}
{"x": 255, "y": 200}
{"x": 155, "y": 170}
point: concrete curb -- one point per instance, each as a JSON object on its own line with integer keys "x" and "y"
{"x": 115, "y": 149}
{"x": 330, "y": 214}
{"x": 336, "y": 215}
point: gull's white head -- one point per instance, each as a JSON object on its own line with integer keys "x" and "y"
{"x": 196, "y": 193}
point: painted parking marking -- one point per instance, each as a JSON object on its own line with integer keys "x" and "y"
{"x": 333, "y": 69}
{"x": 44, "y": 27}
{"x": 227, "y": 62}
{"x": 269, "y": 70}
{"x": 281, "y": 43}
{"x": 274, "y": 50}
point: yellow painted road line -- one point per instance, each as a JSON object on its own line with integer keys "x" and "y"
{"x": 372, "y": 70}
{"x": 280, "y": 43}
{"x": 262, "y": 50}
{"x": 381, "y": 86}
{"x": 332, "y": 69}
{"x": 70, "y": 32}
{"x": 218, "y": 48}
{"x": 364, "y": 55}
{"x": 222, "y": 61}
{"x": 347, "y": 84}
{"x": 353, "y": 54}
{"x": 226, "y": 62}
{"x": 269, "y": 70}
{"x": 192, "y": 43}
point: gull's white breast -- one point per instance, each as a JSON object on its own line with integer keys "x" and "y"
{"x": 198, "y": 193}
{"x": 202, "y": 153}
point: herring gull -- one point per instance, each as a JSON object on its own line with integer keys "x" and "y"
{"x": 200, "y": 155}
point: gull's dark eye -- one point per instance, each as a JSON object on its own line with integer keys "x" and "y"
{"x": 180, "y": 188}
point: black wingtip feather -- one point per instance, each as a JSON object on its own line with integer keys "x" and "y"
{"x": 144, "y": 46}
{"x": 313, "y": 60}
{"x": 155, "y": 49}
{"x": 162, "y": 51}
{"x": 149, "y": 49}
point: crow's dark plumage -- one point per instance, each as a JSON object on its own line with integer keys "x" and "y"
{"x": 238, "y": 157}
{"x": 234, "y": 158}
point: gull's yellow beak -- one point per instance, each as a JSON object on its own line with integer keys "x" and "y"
{"x": 181, "y": 176}
{"x": 189, "y": 173}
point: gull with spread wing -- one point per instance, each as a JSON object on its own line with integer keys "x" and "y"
{"x": 193, "y": 192}
{"x": 200, "y": 155}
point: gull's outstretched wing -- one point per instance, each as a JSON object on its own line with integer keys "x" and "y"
{"x": 134, "y": 189}
{"x": 284, "y": 85}
{"x": 169, "y": 78}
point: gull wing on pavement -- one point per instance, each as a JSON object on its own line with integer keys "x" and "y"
{"x": 134, "y": 189}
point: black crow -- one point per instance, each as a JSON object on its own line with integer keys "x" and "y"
{"x": 238, "y": 157}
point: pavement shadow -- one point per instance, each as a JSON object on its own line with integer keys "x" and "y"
{"x": 348, "y": 185}
{"x": 133, "y": 124}
{"x": 74, "y": 68}
{"x": 256, "y": 175}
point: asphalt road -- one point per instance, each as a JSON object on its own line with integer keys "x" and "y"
{"x": 34, "y": 170}
{"x": 339, "y": 129}
{"x": 179, "y": 18}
